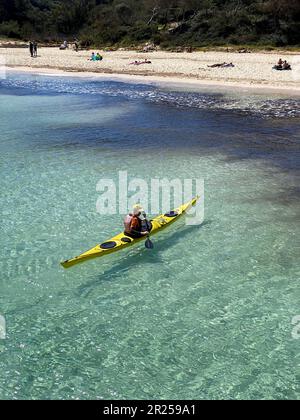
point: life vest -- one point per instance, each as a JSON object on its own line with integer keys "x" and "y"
{"x": 127, "y": 223}
{"x": 136, "y": 225}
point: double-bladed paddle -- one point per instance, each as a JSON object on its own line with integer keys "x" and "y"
{"x": 149, "y": 243}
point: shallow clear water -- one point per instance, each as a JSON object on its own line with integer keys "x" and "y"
{"x": 208, "y": 313}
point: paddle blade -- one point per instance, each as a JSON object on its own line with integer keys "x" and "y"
{"x": 149, "y": 244}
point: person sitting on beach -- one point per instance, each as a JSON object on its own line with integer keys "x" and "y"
{"x": 279, "y": 65}
{"x": 286, "y": 66}
{"x": 282, "y": 65}
{"x": 99, "y": 57}
{"x": 93, "y": 57}
{"x": 64, "y": 46}
{"x": 133, "y": 223}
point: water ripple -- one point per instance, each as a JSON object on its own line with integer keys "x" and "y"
{"x": 258, "y": 105}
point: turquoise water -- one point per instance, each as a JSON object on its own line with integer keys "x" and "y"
{"x": 208, "y": 313}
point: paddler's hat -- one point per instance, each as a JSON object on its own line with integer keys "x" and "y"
{"x": 137, "y": 209}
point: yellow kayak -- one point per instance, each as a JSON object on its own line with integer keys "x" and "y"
{"x": 123, "y": 241}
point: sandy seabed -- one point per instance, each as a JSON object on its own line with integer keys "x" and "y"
{"x": 253, "y": 70}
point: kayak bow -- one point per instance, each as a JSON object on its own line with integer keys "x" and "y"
{"x": 123, "y": 241}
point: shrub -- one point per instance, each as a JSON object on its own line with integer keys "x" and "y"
{"x": 10, "y": 29}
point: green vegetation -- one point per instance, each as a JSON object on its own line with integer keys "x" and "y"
{"x": 165, "y": 22}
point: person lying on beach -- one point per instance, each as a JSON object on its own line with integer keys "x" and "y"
{"x": 228, "y": 65}
{"x": 138, "y": 63}
{"x": 221, "y": 65}
{"x": 216, "y": 65}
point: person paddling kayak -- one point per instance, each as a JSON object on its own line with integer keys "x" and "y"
{"x": 120, "y": 242}
{"x": 133, "y": 223}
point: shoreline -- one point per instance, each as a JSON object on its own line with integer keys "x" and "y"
{"x": 250, "y": 72}
{"x": 160, "y": 79}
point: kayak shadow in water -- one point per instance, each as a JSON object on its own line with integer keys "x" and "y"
{"x": 171, "y": 240}
{"x": 141, "y": 257}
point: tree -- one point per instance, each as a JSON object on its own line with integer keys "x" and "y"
{"x": 195, "y": 22}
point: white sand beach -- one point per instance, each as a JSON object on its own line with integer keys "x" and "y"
{"x": 251, "y": 69}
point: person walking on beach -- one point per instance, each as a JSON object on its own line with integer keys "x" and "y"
{"x": 76, "y": 45}
{"x": 35, "y": 47}
{"x": 31, "y": 48}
